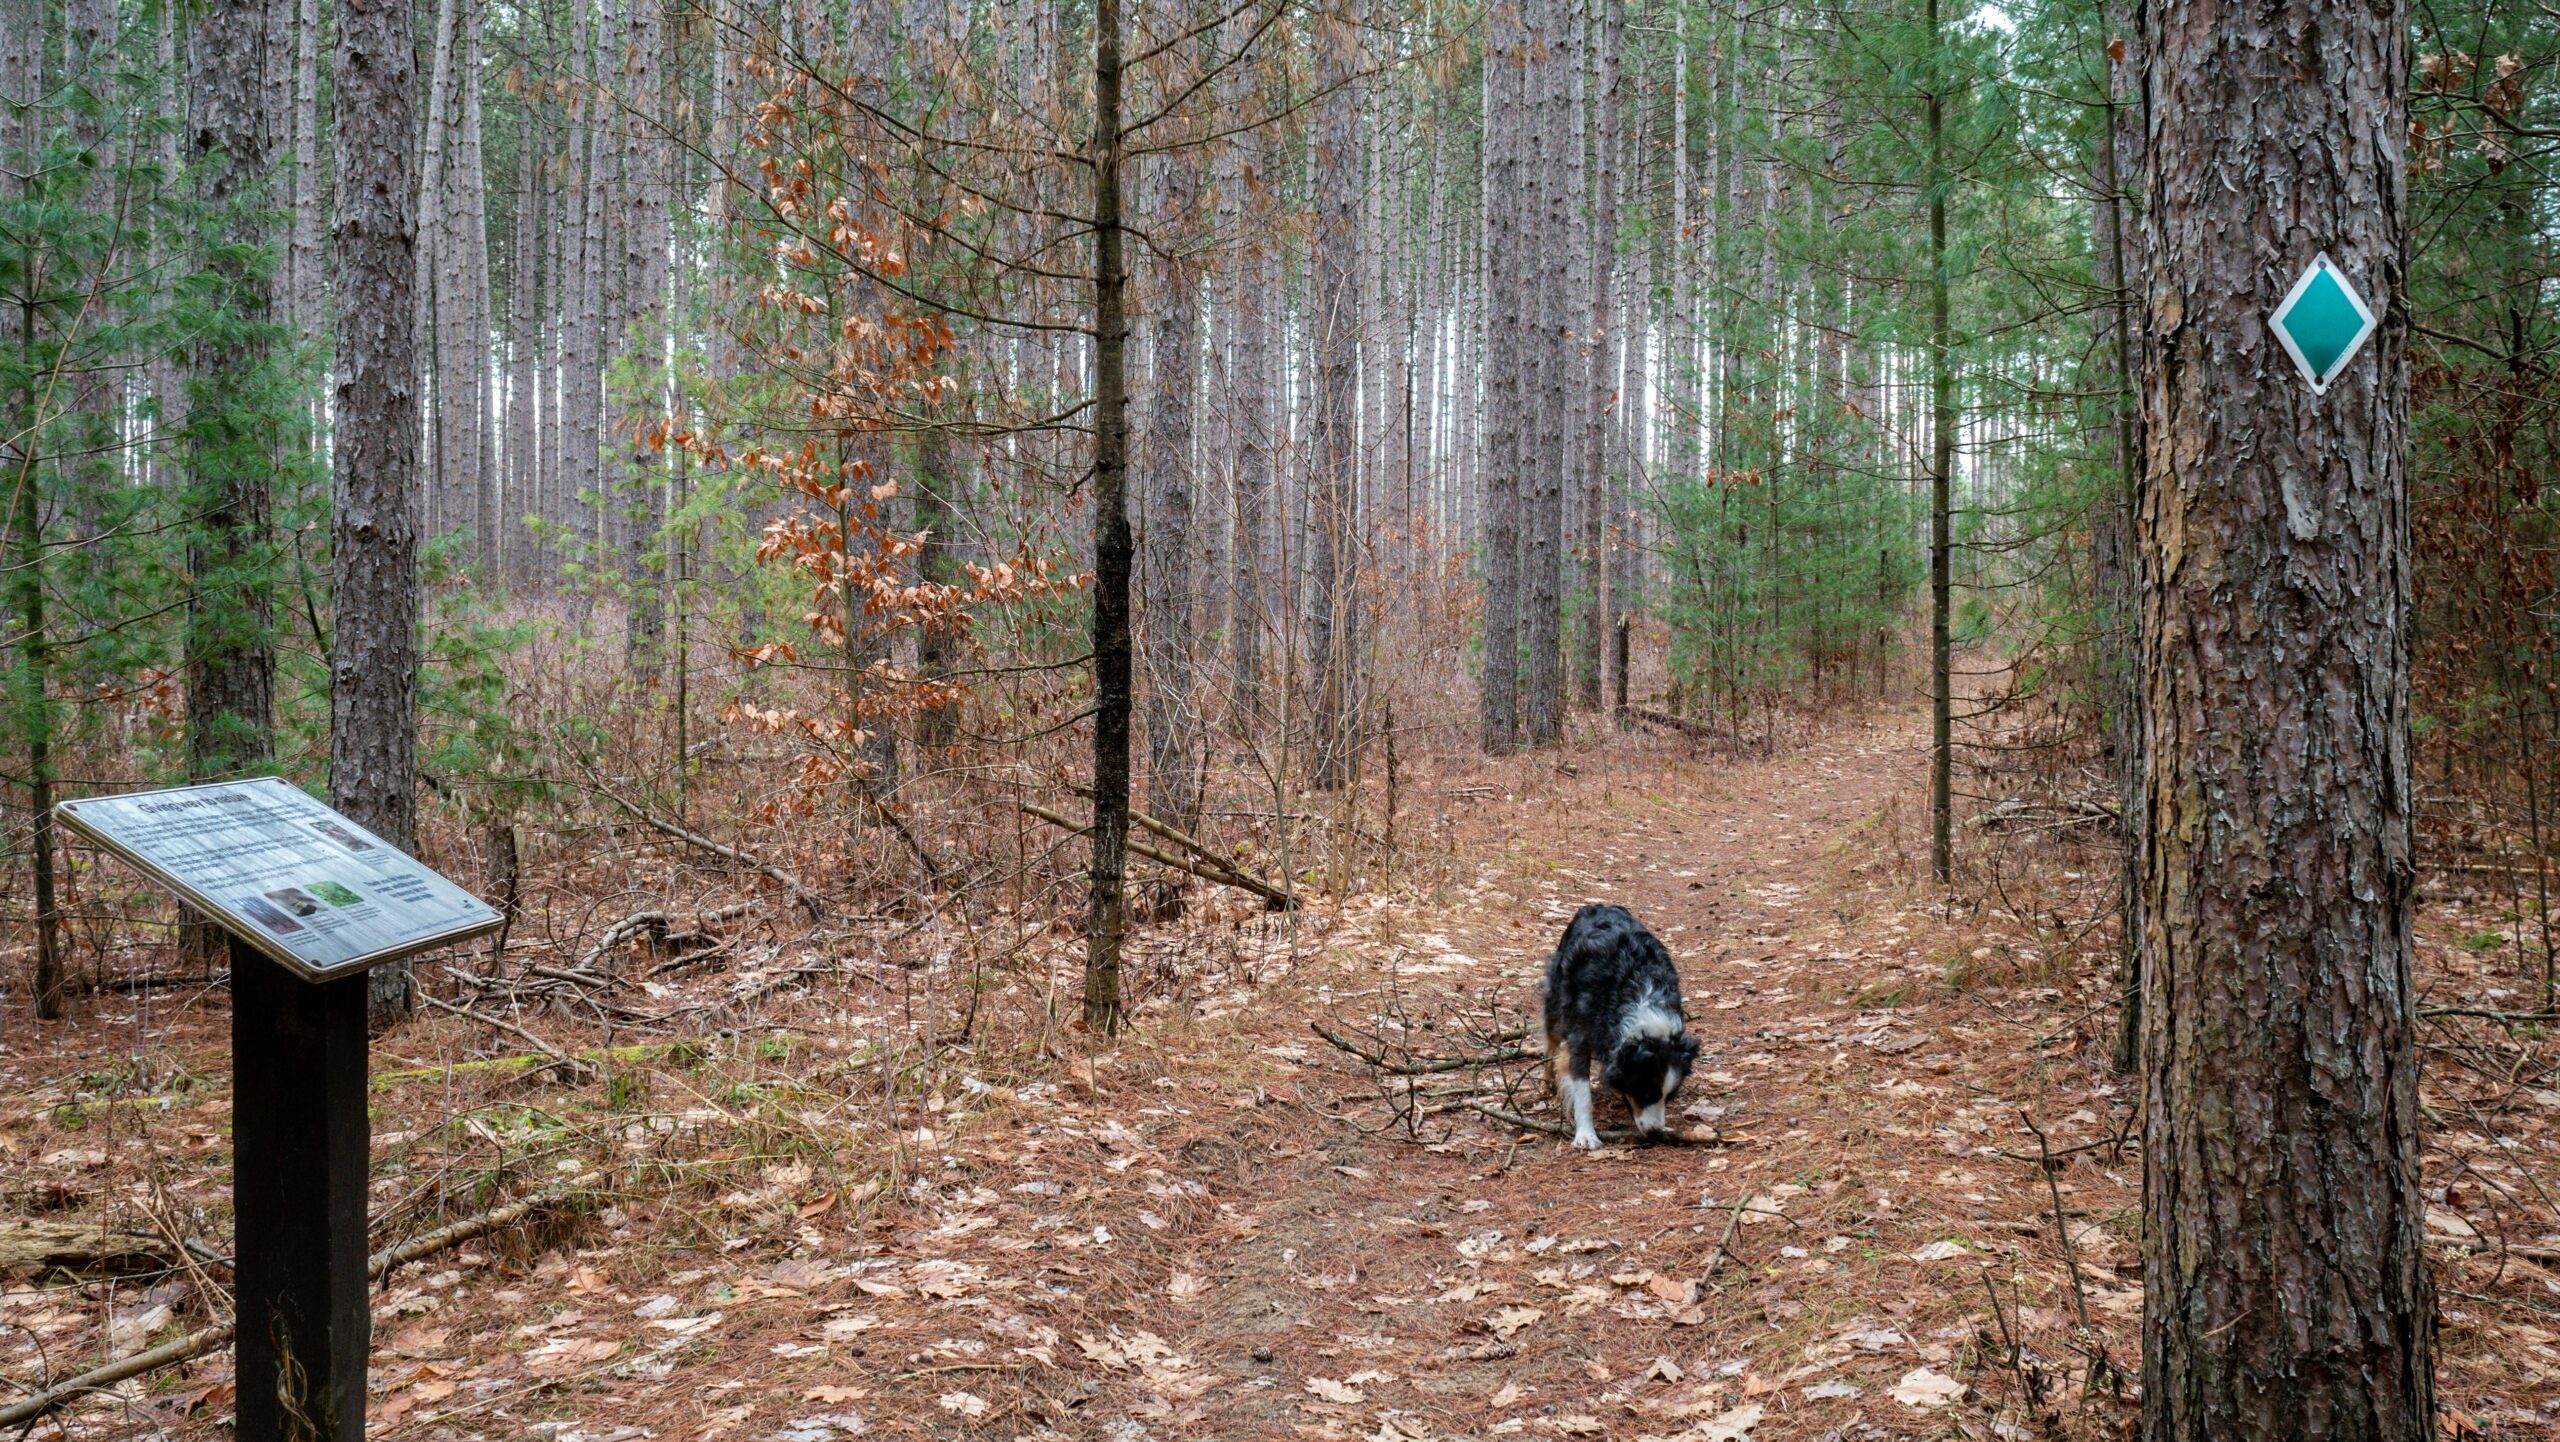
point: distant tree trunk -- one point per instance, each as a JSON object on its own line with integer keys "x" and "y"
{"x": 1247, "y": 298}
{"x": 2119, "y": 166}
{"x": 1942, "y": 452}
{"x": 645, "y": 178}
{"x": 1508, "y": 226}
{"x": 1596, "y": 451}
{"x": 1173, "y": 712}
{"x": 2285, "y": 1286}
{"x": 22, "y": 133}
{"x": 1333, "y": 611}
{"x": 475, "y": 401}
{"x": 1107, "y": 903}
{"x": 1553, "y": 51}
{"x": 525, "y": 369}
{"x": 373, "y": 522}
{"x": 434, "y": 309}
{"x": 235, "y": 124}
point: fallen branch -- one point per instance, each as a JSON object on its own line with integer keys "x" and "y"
{"x": 1431, "y": 1067}
{"x": 559, "y": 1058}
{"x": 1669, "y": 722}
{"x": 1207, "y": 866}
{"x": 379, "y": 1265}
{"x": 642, "y": 814}
{"x": 1607, "y": 1134}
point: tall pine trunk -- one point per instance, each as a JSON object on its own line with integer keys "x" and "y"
{"x": 2285, "y": 1289}
{"x": 373, "y": 523}
{"x": 235, "y": 124}
{"x": 1107, "y": 912}
{"x": 1333, "y": 541}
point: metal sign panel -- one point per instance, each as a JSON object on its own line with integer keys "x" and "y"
{"x": 284, "y": 873}
{"x": 2322, "y": 323}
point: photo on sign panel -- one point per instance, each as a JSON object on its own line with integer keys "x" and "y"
{"x": 334, "y": 894}
{"x": 263, "y": 912}
{"x": 296, "y": 900}
{"x": 342, "y": 836}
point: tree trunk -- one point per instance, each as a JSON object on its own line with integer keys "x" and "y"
{"x": 235, "y": 124}
{"x": 1554, "y": 52}
{"x": 1507, "y": 210}
{"x": 22, "y": 128}
{"x": 1173, "y": 741}
{"x": 373, "y": 523}
{"x": 645, "y": 179}
{"x": 2285, "y": 1282}
{"x": 1942, "y": 453}
{"x": 1596, "y": 457}
{"x": 1333, "y": 611}
{"x": 1107, "y": 903}
{"x": 2119, "y": 164}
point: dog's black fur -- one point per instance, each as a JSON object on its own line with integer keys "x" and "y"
{"x": 1613, "y": 997}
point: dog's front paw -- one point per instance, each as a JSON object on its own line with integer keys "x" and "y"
{"x": 1587, "y": 1139}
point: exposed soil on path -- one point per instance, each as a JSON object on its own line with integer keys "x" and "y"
{"x": 1212, "y": 1229}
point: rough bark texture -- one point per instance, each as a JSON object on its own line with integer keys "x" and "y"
{"x": 1107, "y": 912}
{"x": 1942, "y": 458}
{"x": 1505, "y": 346}
{"x": 2115, "y": 225}
{"x": 1173, "y": 742}
{"x": 1333, "y": 611}
{"x": 1553, "y": 56}
{"x": 1597, "y": 453}
{"x": 21, "y": 134}
{"x": 644, "y": 271}
{"x": 373, "y": 524}
{"x": 2285, "y": 1290}
{"x": 235, "y": 124}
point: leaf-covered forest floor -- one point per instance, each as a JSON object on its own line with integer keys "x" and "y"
{"x": 880, "y": 1202}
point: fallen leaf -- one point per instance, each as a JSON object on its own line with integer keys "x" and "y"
{"x": 1512, "y": 1319}
{"x": 1184, "y": 1287}
{"x": 1940, "y": 1251}
{"x": 1333, "y": 1391}
{"x": 833, "y": 1395}
{"x": 1925, "y": 1387}
{"x": 967, "y": 1404}
{"x": 1733, "y": 1426}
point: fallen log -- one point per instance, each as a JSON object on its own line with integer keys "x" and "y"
{"x": 219, "y": 1335}
{"x": 1669, "y": 722}
{"x": 76, "y": 1248}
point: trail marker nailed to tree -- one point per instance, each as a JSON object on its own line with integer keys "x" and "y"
{"x": 311, "y": 901}
{"x": 2322, "y": 323}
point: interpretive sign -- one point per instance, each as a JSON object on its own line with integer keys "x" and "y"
{"x": 310, "y": 900}
{"x": 284, "y": 873}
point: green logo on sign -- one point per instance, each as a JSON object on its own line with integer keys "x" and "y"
{"x": 2323, "y": 323}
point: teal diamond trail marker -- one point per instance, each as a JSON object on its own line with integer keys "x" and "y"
{"x": 2322, "y": 323}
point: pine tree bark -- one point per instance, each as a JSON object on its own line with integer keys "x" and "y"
{"x": 2285, "y": 1283}
{"x": 1333, "y": 541}
{"x": 1549, "y": 190}
{"x": 645, "y": 257}
{"x": 374, "y": 482}
{"x": 1598, "y": 621}
{"x": 1173, "y": 741}
{"x": 1507, "y": 223}
{"x": 22, "y": 131}
{"x": 1106, "y": 919}
{"x": 1942, "y": 454}
{"x": 2114, "y": 229}
{"x": 235, "y": 126}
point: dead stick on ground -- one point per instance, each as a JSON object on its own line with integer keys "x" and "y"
{"x": 1607, "y": 1134}
{"x": 1432, "y": 1067}
{"x": 559, "y": 1058}
{"x": 379, "y": 1265}
{"x": 1207, "y": 866}
{"x": 791, "y": 883}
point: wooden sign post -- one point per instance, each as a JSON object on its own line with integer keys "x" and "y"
{"x": 310, "y": 901}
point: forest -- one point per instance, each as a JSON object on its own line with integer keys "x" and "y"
{"x": 1032, "y": 615}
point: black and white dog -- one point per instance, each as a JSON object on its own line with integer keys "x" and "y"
{"x": 1613, "y": 997}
